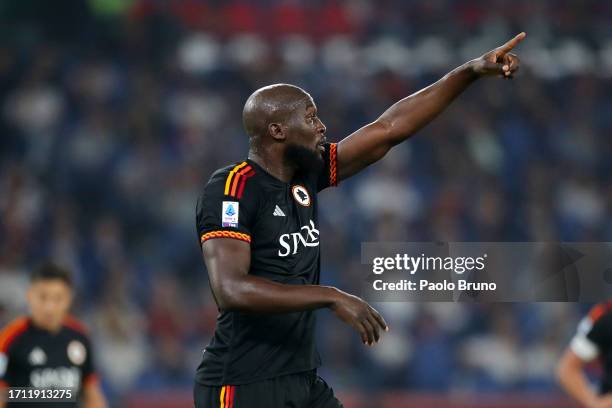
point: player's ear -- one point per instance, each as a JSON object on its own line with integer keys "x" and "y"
{"x": 276, "y": 131}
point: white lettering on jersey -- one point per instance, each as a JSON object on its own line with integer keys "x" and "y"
{"x": 307, "y": 236}
{"x": 60, "y": 377}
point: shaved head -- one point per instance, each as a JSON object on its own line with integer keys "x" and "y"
{"x": 271, "y": 104}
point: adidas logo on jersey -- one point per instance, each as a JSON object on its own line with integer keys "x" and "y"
{"x": 278, "y": 212}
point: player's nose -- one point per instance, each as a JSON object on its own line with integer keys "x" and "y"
{"x": 321, "y": 128}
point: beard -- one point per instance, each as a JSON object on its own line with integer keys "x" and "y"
{"x": 303, "y": 160}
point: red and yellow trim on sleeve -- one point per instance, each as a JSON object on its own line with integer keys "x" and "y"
{"x": 333, "y": 173}
{"x": 91, "y": 379}
{"x": 12, "y": 331}
{"x": 226, "y": 397}
{"x": 236, "y": 180}
{"x": 225, "y": 234}
{"x": 599, "y": 310}
{"x": 3, "y": 385}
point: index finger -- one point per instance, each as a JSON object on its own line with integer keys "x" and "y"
{"x": 507, "y": 47}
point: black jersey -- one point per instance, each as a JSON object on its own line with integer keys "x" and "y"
{"x": 594, "y": 341}
{"x": 32, "y": 357}
{"x": 279, "y": 220}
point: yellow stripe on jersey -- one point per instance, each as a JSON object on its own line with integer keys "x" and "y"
{"x": 222, "y": 397}
{"x": 231, "y": 175}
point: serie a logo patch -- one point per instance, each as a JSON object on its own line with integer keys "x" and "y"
{"x": 229, "y": 214}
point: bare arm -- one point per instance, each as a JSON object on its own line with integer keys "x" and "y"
{"x": 370, "y": 143}
{"x": 228, "y": 262}
{"x": 571, "y": 377}
{"x": 93, "y": 397}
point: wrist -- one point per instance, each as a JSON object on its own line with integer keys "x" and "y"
{"x": 333, "y": 296}
{"x": 472, "y": 68}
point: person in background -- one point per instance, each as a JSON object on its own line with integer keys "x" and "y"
{"x": 49, "y": 348}
{"x": 592, "y": 341}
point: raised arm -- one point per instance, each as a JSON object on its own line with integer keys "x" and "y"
{"x": 234, "y": 289}
{"x": 370, "y": 143}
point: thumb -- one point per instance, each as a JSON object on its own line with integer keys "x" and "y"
{"x": 492, "y": 68}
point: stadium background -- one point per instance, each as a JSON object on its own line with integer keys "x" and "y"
{"x": 113, "y": 113}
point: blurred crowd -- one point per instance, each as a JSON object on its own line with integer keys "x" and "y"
{"x": 113, "y": 114}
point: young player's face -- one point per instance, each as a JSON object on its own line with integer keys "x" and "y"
{"x": 49, "y": 302}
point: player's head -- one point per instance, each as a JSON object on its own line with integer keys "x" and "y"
{"x": 282, "y": 119}
{"x": 49, "y": 296}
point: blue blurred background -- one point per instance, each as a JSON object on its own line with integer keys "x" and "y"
{"x": 114, "y": 113}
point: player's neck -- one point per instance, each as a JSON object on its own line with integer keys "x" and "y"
{"x": 274, "y": 165}
{"x": 45, "y": 326}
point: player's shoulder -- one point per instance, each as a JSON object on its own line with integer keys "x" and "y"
{"x": 600, "y": 311}
{"x": 232, "y": 181}
{"x": 75, "y": 327}
{"x": 12, "y": 332}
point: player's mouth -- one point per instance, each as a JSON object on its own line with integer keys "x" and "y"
{"x": 321, "y": 146}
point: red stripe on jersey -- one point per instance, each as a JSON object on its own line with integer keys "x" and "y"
{"x": 237, "y": 178}
{"x": 12, "y": 331}
{"x": 230, "y": 398}
{"x": 243, "y": 183}
{"x": 91, "y": 379}
{"x": 599, "y": 310}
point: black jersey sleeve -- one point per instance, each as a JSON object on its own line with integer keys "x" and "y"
{"x": 594, "y": 334}
{"x": 329, "y": 175}
{"x": 88, "y": 368}
{"x": 5, "y": 363}
{"x": 601, "y": 331}
{"x": 227, "y": 206}
{"x": 9, "y": 336}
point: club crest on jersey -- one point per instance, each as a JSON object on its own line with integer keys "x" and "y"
{"x": 76, "y": 352}
{"x": 301, "y": 195}
{"x": 229, "y": 214}
{"x": 37, "y": 356}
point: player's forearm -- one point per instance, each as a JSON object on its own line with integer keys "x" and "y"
{"x": 574, "y": 382}
{"x": 94, "y": 397}
{"x": 410, "y": 114}
{"x": 256, "y": 294}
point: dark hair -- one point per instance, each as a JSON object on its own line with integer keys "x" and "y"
{"x": 50, "y": 271}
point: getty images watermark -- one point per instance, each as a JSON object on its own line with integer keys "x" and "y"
{"x": 487, "y": 271}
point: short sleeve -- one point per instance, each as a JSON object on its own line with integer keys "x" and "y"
{"x": 8, "y": 337}
{"x": 593, "y": 335}
{"x": 226, "y": 207}
{"x": 88, "y": 369}
{"x": 329, "y": 175}
{"x": 5, "y": 380}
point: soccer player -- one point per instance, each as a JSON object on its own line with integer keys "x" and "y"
{"x": 257, "y": 224}
{"x": 592, "y": 341}
{"x": 48, "y": 348}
